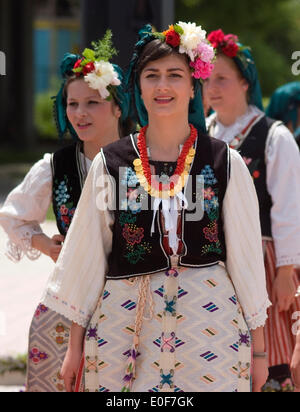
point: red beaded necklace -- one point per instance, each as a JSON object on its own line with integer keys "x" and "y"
{"x": 177, "y": 180}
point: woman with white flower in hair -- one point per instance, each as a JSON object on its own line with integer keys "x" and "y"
{"x": 81, "y": 109}
{"x": 163, "y": 292}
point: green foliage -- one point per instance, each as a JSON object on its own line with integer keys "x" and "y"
{"x": 9, "y": 364}
{"x": 104, "y": 49}
{"x": 43, "y": 112}
{"x": 271, "y": 28}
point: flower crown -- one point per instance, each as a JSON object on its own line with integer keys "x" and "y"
{"x": 226, "y": 43}
{"x": 96, "y": 69}
{"x": 191, "y": 40}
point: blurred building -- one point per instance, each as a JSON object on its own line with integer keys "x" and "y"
{"x": 35, "y": 34}
{"x": 56, "y": 31}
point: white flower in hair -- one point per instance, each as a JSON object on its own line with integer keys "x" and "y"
{"x": 192, "y": 36}
{"x": 103, "y": 76}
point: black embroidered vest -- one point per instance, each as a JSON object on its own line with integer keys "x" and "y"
{"x": 68, "y": 180}
{"x": 253, "y": 152}
{"x": 135, "y": 250}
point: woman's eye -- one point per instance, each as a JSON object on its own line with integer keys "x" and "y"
{"x": 72, "y": 104}
{"x": 175, "y": 75}
{"x": 93, "y": 102}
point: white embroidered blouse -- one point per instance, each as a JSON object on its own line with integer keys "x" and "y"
{"x": 283, "y": 183}
{"x": 26, "y": 208}
{"x": 78, "y": 279}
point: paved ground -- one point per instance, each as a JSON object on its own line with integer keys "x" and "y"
{"x": 21, "y": 287}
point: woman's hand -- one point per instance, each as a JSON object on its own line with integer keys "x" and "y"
{"x": 70, "y": 368}
{"x": 73, "y": 357}
{"x": 284, "y": 288}
{"x": 48, "y": 246}
{"x": 260, "y": 373}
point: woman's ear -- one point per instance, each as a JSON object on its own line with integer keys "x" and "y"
{"x": 245, "y": 84}
{"x": 117, "y": 111}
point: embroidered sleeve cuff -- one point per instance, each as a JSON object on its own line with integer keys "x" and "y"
{"x": 64, "y": 308}
{"x": 288, "y": 260}
{"x": 16, "y": 250}
{"x": 257, "y": 320}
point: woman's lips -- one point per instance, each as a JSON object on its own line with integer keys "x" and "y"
{"x": 83, "y": 126}
{"x": 163, "y": 100}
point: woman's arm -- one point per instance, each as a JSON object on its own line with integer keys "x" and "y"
{"x": 25, "y": 208}
{"x": 48, "y": 246}
{"x": 260, "y": 361}
{"x": 73, "y": 357}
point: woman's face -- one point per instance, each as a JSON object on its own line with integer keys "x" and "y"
{"x": 166, "y": 86}
{"x": 225, "y": 89}
{"x": 90, "y": 115}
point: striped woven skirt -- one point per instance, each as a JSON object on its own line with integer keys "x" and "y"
{"x": 176, "y": 331}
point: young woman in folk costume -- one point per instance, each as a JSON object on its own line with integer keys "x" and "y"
{"x": 270, "y": 152}
{"x": 153, "y": 300}
{"x": 81, "y": 107}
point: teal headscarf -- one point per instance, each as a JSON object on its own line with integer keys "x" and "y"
{"x": 245, "y": 62}
{"x": 60, "y": 114}
{"x": 284, "y": 104}
{"x": 138, "y": 109}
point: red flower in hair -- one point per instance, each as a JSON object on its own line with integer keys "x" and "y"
{"x": 230, "y": 49}
{"x": 88, "y": 68}
{"x": 216, "y": 37}
{"x": 77, "y": 64}
{"x": 226, "y": 43}
{"x": 172, "y": 38}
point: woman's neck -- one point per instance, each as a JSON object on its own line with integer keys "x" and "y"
{"x": 229, "y": 117}
{"x": 164, "y": 138}
{"x": 91, "y": 149}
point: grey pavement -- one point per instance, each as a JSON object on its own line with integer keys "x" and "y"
{"x": 21, "y": 287}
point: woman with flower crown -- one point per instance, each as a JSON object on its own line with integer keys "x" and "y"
{"x": 166, "y": 294}
{"x": 81, "y": 107}
{"x": 272, "y": 157}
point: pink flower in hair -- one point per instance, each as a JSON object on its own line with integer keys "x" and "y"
{"x": 202, "y": 70}
{"x": 206, "y": 52}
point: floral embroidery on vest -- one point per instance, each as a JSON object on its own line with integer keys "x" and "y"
{"x": 211, "y": 208}
{"x": 132, "y": 206}
{"x": 65, "y": 207}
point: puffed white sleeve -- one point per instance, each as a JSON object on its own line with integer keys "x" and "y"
{"x": 77, "y": 281}
{"x": 25, "y": 208}
{"x": 245, "y": 262}
{"x": 283, "y": 183}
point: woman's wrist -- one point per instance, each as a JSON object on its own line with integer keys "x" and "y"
{"x": 40, "y": 242}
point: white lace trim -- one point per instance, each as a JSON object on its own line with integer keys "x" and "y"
{"x": 71, "y": 313}
{"x": 288, "y": 260}
{"x": 258, "y": 319}
{"x": 16, "y": 252}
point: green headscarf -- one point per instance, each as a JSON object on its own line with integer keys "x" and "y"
{"x": 245, "y": 62}
{"x": 60, "y": 114}
{"x": 284, "y": 104}
{"x": 138, "y": 109}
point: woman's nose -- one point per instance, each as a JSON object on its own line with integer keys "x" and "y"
{"x": 81, "y": 111}
{"x": 162, "y": 84}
